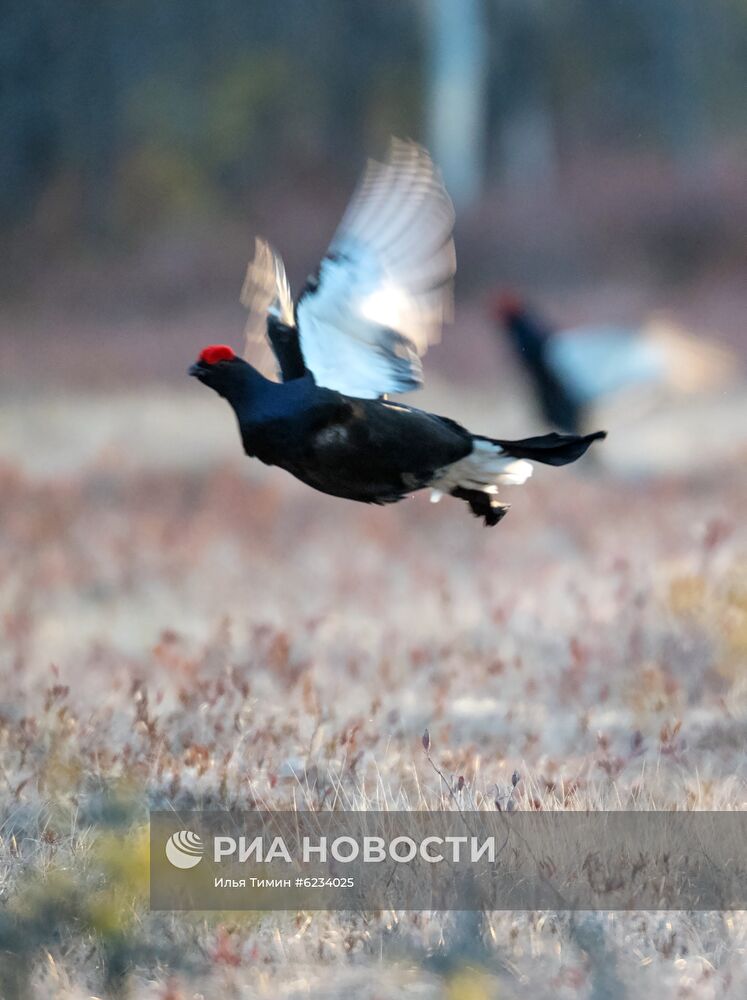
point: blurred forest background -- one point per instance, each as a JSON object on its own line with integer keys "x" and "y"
{"x": 593, "y": 146}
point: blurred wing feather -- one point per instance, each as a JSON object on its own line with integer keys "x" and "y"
{"x": 595, "y": 362}
{"x": 265, "y": 292}
{"x": 384, "y": 289}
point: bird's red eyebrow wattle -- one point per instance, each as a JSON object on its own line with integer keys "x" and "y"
{"x": 217, "y": 352}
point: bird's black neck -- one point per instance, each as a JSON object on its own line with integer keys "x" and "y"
{"x": 287, "y": 348}
{"x": 257, "y": 400}
{"x": 528, "y": 337}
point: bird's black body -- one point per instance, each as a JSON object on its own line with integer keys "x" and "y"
{"x": 374, "y": 451}
{"x": 369, "y": 450}
{"x": 530, "y": 339}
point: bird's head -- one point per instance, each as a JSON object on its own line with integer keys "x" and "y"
{"x": 220, "y": 367}
{"x": 506, "y": 306}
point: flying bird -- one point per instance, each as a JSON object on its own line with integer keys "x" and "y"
{"x": 573, "y": 370}
{"x": 355, "y": 336}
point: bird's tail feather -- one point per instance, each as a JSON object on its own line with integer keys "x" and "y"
{"x": 550, "y": 449}
{"x": 492, "y": 463}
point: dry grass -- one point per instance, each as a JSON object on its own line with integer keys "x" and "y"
{"x": 179, "y": 625}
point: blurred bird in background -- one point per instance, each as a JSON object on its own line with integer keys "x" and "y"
{"x": 574, "y": 372}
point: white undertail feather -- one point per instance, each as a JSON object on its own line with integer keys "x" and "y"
{"x": 485, "y": 469}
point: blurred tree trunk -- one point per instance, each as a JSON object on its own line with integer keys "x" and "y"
{"x": 95, "y": 115}
{"x": 456, "y": 119}
{"x": 30, "y": 141}
{"x": 528, "y": 148}
{"x": 677, "y": 31}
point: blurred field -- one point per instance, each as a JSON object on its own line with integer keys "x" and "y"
{"x": 181, "y": 625}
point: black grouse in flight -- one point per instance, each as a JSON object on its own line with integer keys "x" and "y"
{"x": 573, "y": 371}
{"x": 355, "y": 336}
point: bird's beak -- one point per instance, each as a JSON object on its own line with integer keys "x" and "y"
{"x": 197, "y": 369}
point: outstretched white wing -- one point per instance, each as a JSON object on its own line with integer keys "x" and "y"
{"x": 384, "y": 288}
{"x": 598, "y": 361}
{"x": 265, "y": 292}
